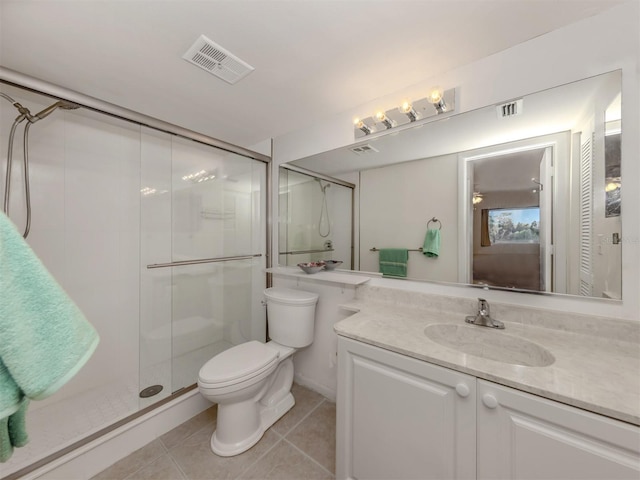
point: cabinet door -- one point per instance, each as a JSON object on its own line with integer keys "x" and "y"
{"x": 521, "y": 436}
{"x": 401, "y": 418}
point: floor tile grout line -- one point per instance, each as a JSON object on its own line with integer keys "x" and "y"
{"x": 165, "y": 448}
{"x": 278, "y": 441}
{"x": 310, "y": 458}
{"x": 177, "y": 465}
{"x": 284, "y": 435}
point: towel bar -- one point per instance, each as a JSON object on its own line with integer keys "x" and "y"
{"x": 374, "y": 249}
{"x": 202, "y": 260}
{"x": 300, "y": 252}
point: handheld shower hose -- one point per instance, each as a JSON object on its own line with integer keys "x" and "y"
{"x": 25, "y": 114}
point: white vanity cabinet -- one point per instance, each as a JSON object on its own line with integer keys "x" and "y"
{"x": 402, "y": 418}
{"x": 522, "y": 436}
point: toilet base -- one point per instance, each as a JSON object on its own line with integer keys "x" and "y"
{"x": 268, "y": 416}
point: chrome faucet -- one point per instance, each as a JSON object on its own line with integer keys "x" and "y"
{"x": 483, "y": 317}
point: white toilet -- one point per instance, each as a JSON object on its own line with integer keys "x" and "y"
{"x": 251, "y": 382}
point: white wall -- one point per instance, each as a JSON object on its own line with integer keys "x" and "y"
{"x": 315, "y": 366}
{"x": 599, "y": 44}
{"x": 403, "y": 198}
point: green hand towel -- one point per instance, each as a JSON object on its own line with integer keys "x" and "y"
{"x": 431, "y": 247}
{"x": 393, "y": 261}
{"x": 45, "y": 339}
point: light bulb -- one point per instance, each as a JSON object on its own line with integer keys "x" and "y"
{"x": 436, "y": 96}
{"x": 611, "y": 186}
{"x": 406, "y": 107}
{"x": 408, "y": 110}
{"x": 382, "y": 118}
{"x": 359, "y": 124}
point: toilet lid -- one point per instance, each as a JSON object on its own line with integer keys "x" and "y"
{"x": 238, "y": 362}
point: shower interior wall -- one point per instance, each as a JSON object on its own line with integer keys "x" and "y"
{"x": 108, "y": 198}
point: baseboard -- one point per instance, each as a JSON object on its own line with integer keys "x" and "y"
{"x": 327, "y": 392}
{"x": 92, "y": 458}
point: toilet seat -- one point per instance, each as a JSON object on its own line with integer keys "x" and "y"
{"x": 238, "y": 364}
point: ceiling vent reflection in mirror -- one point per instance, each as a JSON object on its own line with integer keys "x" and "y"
{"x": 436, "y": 102}
{"x": 363, "y": 149}
{"x": 211, "y": 57}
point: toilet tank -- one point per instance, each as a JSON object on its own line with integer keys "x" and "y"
{"x": 290, "y": 316}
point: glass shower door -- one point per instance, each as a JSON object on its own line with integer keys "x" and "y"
{"x": 217, "y": 216}
{"x": 206, "y": 244}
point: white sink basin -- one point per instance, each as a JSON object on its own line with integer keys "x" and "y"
{"x": 489, "y": 343}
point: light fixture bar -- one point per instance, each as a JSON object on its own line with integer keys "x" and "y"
{"x": 437, "y": 101}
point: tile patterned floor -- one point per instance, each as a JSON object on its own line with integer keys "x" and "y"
{"x": 300, "y": 446}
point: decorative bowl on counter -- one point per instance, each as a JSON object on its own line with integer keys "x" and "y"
{"x": 312, "y": 267}
{"x": 332, "y": 264}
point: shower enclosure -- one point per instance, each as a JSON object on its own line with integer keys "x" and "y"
{"x": 158, "y": 238}
{"x": 315, "y": 218}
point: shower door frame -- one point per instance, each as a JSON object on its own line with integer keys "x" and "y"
{"x": 56, "y": 92}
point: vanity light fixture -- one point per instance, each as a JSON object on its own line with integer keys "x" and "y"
{"x": 409, "y": 111}
{"x": 477, "y": 198}
{"x": 382, "y": 118}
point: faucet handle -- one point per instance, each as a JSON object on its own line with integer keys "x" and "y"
{"x": 483, "y": 306}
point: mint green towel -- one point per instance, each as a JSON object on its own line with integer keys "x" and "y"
{"x": 13, "y": 432}
{"x": 44, "y": 338}
{"x": 431, "y": 247}
{"x": 393, "y": 261}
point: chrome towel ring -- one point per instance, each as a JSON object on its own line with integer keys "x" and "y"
{"x": 435, "y": 220}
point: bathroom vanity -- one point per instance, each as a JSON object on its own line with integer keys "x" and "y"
{"x": 422, "y": 395}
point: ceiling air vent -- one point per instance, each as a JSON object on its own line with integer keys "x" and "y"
{"x": 510, "y": 109}
{"x": 216, "y": 60}
{"x": 363, "y": 149}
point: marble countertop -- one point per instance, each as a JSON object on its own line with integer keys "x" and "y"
{"x": 598, "y": 374}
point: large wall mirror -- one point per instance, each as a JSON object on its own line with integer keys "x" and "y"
{"x": 528, "y": 202}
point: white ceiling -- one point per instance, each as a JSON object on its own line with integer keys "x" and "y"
{"x": 312, "y": 58}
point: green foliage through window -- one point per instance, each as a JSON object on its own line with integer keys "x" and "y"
{"x": 514, "y": 225}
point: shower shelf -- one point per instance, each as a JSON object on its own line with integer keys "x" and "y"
{"x": 344, "y": 278}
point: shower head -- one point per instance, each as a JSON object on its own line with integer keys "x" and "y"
{"x": 49, "y": 110}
